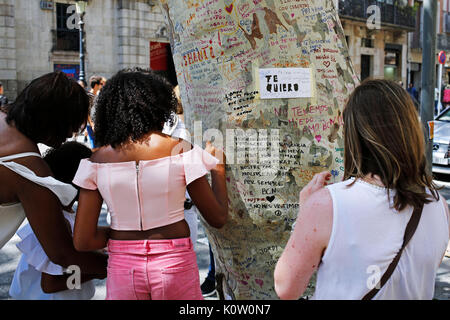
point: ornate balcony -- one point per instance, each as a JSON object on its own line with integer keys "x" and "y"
{"x": 393, "y": 13}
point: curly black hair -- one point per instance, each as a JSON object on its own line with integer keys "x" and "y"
{"x": 64, "y": 161}
{"x": 131, "y": 104}
{"x": 50, "y": 109}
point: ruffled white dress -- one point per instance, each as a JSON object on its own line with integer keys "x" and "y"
{"x": 26, "y": 284}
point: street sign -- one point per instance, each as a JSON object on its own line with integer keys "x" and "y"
{"x": 46, "y": 5}
{"x": 442, "y": 57}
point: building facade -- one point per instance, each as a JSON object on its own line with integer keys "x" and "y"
{"x": 37, "y": 37}
{"x": 378, "y": 48}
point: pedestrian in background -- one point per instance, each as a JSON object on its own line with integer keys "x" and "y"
{"x": 3, "y": 99}
{"x": 351, "y": 231}
{"x": 436, "y": 101}
{"x": 414, "y": 94}
{"x": 142, "y": 175}
{"x": 96, "y": 84}
{"x": 413, "y": 91}
{"x": 446, "y": 96}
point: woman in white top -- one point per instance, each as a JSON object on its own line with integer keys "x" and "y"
{"x": 35, "y": 267}
{"x": 351, "y": 231}
{"x": 49, "y": 110}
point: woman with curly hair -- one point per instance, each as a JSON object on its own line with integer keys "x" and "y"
{"x": 356, "y": 231}
{"x": 142, "y": 175}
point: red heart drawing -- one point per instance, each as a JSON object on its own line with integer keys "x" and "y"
{"x": 259, "y": 282}
{"x": 326, "y": 63}
{"x": 229, "y": 8}
{"x": 292, "y": 15}
{"x": 318, "y": 137}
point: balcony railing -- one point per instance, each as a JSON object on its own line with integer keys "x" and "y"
{"x": 392, "y": 12}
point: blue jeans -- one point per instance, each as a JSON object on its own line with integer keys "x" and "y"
{"x": 91, "y": 136}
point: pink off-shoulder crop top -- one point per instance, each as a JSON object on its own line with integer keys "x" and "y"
{"x": 148, "y": 194}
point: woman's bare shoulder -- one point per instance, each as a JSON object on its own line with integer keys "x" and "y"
{"x": 13, "y": 142}
{"x": 318, "y": 207}
{"x": 321, "y": 197}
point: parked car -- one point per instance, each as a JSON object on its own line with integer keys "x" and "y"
{"x": 441, "y": 143}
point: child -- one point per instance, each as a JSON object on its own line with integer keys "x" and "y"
{"x": 142, "y": 174}
{"x": 36, "y": 277}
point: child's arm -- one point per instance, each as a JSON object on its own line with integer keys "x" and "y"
{"x": 87, "y": 235}
{"x": 52, "y": 284}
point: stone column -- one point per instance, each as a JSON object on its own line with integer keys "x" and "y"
{"x": 222, "y": 50}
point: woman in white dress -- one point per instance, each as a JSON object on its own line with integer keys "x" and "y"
{"x": 49, "y": 110}
{"x": 35, "y": 271}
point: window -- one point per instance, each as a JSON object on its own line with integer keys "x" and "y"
{"x": 392, "y": 69}
{"x": 391, "y": 58}
{"x": 66, "y": 39}
{"x": 367, "y": 43}
{"x": 366, "y": 66}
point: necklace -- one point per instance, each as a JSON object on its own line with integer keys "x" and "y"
{"x": 375, "y": 183}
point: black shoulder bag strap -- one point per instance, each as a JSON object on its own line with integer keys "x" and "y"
{"x": 409, "y": 232}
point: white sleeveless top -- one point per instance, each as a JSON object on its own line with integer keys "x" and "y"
{"x": 367, "y": 234}
{"x": 12, "y": 215}
{"x": 26, "y": 283}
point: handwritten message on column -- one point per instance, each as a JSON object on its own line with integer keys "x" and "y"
{"x": 278, "y": 83}
{"x": 276, "y": 75}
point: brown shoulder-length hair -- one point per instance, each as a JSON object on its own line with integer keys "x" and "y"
{"x": 383, "y": 136}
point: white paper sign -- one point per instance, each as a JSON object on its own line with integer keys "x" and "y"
{"x": 278, "y": 83}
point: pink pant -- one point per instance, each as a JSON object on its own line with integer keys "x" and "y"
{"x": 152, "y": 269}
